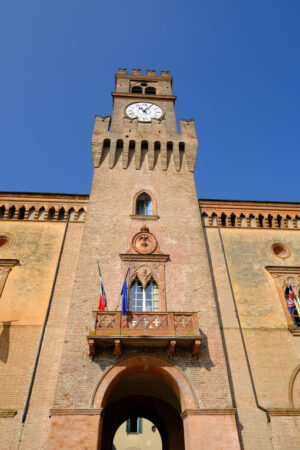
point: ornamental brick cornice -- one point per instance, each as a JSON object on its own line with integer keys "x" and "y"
{"x": 39, "y": 206}
{"x": 249, "y": 205}
{"x": 250, "y": 214}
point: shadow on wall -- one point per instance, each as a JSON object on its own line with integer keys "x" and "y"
{"x": 4, "y": 341}
{"x": 204, "y": 359}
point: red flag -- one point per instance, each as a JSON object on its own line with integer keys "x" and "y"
{"x": 102, "y": 301}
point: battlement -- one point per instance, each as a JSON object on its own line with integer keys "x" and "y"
{"x": 122, "y": 73}
{"x": 133, "y": 140}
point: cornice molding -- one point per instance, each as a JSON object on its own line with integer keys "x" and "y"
{"x": 144, "y": 97}
{"x": 248, "y": 205}
{"x": 283, "y": 270}
{"x": 75, "y": 412}
{"x": 142, "y": 217}
{"x": 6, "y": 413}
{"x": 208, "y": 412}
{"x": 145, "y": 258}
{"x": 9, "y": 262}
{"x": 284, "y": 412}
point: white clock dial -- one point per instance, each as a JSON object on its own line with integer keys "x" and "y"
{"x": 144, "y": 112}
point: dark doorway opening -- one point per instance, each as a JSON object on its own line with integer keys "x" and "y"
{"x": 143, "y": 396}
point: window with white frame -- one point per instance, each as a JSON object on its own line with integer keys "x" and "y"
{"x": 143, "y": 299}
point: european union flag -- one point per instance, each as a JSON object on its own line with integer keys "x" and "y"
{"x": 124, "y": 295}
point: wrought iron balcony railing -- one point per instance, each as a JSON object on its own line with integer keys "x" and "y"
{"x": 153, "y": 329}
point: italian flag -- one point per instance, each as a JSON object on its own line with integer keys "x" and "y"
{"x": 102, "y": 301}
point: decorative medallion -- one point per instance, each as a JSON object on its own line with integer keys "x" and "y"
{"x": 6, "y": 241}
{"x": 280, "y": 250}
{"x": 144, "y": 242}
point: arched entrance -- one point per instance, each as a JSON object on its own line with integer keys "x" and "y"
{"x": 144, "y": 386}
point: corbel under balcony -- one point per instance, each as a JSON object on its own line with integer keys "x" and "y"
{"x": 167, "y": 330}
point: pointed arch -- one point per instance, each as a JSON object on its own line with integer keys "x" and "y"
{"x": 31, "y": 213}
{"x": 147, "y": 193}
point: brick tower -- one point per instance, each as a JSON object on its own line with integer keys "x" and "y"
{"x": 164, "y": 359}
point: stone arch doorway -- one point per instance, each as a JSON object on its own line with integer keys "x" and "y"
{"x": 144, "y": 386}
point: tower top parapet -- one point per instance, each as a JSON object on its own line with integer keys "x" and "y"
{"x": 150, "y": 74}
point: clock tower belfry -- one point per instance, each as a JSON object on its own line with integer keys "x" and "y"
{"x": 144, "y": 119}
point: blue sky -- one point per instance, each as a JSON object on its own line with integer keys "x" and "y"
{"x": 236, "y": 70}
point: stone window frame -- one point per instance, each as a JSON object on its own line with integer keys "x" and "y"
{"x": 146, "y": 268}
{"x": 134, "y": 214}
{"x": 5, "y": 267}
{"x": 283, "y": 276}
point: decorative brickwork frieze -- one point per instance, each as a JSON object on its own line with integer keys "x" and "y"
{"x": 256, "y": 215}
{"x": 45, "y": 207}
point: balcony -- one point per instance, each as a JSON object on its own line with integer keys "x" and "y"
{"x": 169, "y": 330}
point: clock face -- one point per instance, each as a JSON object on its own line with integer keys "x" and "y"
{"x": 144, "y": 112}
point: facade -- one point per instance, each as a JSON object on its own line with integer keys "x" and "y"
{"x": 207, "y": 351}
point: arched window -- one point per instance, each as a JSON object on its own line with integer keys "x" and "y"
{"x": 31, "y": 213}
{"x": 294, "y": 313}
{"x": 2, "y": 212}
{"x": 143, "y": 299}
{"x": 61, "y": 214}
{"x": 223, "y": 220}
{"x": 136, "y": 90}
{"x": 144, "y": 205}
{"x": 270, "y": 221}
{"x": 81, "y": 213}
{"x": 51, "y": 214}
{"x": 12, "y": 211}
{"x": 72, "y": 213}
{"x": 41, "y": 215}
{"x": 243, "y": 220}
{"x": 21, "y": 213}
{"x": 150, "y": 90}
